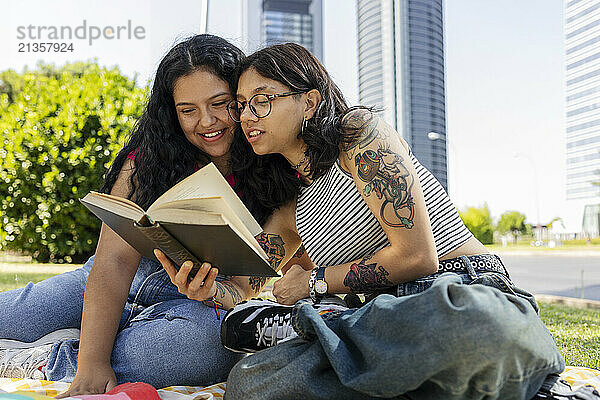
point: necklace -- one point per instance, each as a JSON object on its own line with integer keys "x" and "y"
{"x": 300, "y": 163}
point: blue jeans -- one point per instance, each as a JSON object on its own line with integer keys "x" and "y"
{"x": 450, "y": 336}
{"x": 163, "y": 338}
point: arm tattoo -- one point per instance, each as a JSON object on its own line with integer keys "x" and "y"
{"x": 273, "y": 245}
{"x": 226, "y": 286}
{"x": 366, "y": 125}
{"x": 364, "y": 278}
{"x": 387, "y": 177}
{"x": 300, "y": 252}
{"x": 257, "y": 282}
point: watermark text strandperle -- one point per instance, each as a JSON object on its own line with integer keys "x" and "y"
{"x": 82, "y": 32}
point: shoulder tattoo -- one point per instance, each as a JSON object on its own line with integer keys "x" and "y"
{"x": 385, "y": 174}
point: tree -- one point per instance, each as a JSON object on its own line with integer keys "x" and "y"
{"x": 479, "y": 222}
{"x": 61, "y": 128}
{"x": 512, "y": 222}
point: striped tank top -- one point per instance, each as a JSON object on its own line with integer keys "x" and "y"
{"x": 336, "y": 225}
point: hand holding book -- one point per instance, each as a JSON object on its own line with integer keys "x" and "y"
{"x": 199, "y": 287}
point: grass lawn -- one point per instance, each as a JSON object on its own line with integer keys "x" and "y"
{"x": 592, "y": 248}
{"x": 576, "y": 330}
{"x": 12, "y": 280}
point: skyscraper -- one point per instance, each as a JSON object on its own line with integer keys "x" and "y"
{"x": 401, "y": 70}
{"x": 267, "y": 22}
{"x": 582, "y": 35}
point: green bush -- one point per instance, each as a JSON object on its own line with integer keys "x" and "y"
{"x": 479, "y": 222}
{"x": 61, "y": 128}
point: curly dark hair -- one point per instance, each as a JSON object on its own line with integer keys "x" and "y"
{"x": 295, "y": 67}
{"x": 163, "y": 154}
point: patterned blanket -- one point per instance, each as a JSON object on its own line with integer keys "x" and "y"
{"x": 26, "y": 389}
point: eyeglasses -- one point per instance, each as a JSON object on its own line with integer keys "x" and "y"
{"x": 260, "y": 105}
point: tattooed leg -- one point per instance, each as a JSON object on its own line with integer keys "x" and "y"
{"x": 365, "y": 278}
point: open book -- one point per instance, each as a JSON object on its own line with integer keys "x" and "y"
{"x": 199, "y": 219}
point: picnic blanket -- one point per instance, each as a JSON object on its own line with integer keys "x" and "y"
{"x": 27, "y": 389}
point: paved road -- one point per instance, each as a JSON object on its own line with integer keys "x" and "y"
{"x": 556, "y": 274}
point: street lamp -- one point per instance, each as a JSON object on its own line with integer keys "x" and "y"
{"x": 433, "y": 136}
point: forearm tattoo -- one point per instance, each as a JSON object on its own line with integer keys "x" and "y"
{"x": 366, "y": 278}
{"x": 224, "y": 287}
{"x": 300, "y": 252}
{"x": 256, "y": 283}
{"x": 273, "y": 245}
{"x": 385, "y": 174}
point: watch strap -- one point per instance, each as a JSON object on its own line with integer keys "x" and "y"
{"x": 320, "y": 275}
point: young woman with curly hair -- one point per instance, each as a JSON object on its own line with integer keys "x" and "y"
{"x": 136, "y": 324}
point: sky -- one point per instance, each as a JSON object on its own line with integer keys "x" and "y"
{"x": 504, "y": 80}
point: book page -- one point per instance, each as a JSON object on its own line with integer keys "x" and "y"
{"x": 188, "y": 217}
{"x": 208, "y": 182}
{"x": 119, "y": 205}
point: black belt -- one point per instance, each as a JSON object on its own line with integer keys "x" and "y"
{"x": 478, "y": 263}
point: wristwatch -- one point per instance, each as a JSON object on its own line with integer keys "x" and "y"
{"x": 316, "y": 284}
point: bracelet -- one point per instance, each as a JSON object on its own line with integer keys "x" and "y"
{"x": 216, "y": 304}
{"x": 311, "y": 285}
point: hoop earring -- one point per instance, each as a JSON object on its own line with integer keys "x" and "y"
{"x": 304, "y": 125}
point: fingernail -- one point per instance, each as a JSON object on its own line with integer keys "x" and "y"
{"x": 187, "y": 264}
{"x": 156, "y": 252}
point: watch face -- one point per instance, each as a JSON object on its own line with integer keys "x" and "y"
{"x": 321, "y": 287}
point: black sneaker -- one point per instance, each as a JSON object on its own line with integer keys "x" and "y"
{"x": 255, "y": 325}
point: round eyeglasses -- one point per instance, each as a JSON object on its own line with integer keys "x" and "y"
{"x": 259, "y": 104}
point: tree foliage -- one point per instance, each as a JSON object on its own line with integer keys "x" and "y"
{"x": 61, "y": 128}
{"x": 512, "y": 222}
{"x": 479, "y": 222}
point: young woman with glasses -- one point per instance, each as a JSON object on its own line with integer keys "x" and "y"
{"x": 445, "y": 320}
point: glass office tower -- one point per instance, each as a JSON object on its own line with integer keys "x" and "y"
{"x": 401, "y": 70}
{"x": 582, "y": 83}
{"x": 267, "y": 22}
{"x": 583, "y": 98}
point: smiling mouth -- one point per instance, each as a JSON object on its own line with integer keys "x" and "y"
{"x": 254, "y": 134}
{"x": 212, "y": 134}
